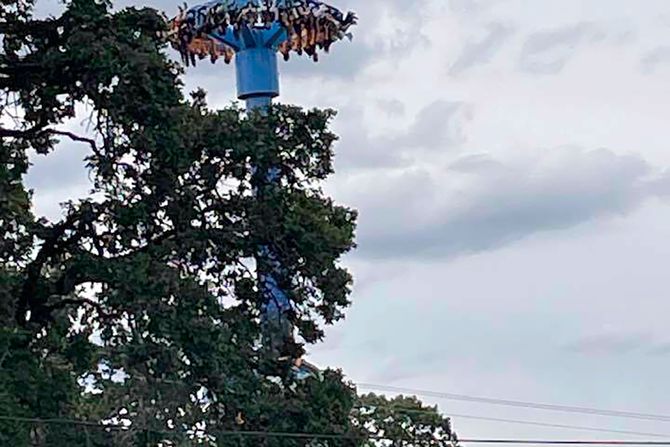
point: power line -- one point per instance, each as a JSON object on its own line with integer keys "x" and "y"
{"x": 518, "y": 403}
{"x": 527, "y": 422}
{"x": 405, "y": 410}
{"x": 58, "y": 421}
{"x": 295, "y": 435}
{"x": 561, "y": 426}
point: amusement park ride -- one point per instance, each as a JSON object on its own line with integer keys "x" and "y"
{"x": 252, "y": 32}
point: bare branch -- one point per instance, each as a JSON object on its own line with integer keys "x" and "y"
{"x": 37, "y": 130}
{"x": 75, "y": 137}
{"x": 13, "y": 133}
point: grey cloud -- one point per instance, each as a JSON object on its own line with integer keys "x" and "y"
{"x": 610, "y": 344}
{"x": 63, "y": 168}
{"x": 480, "y": 204}
{"x": 395, "y": 369}
{"x": 391, "y": 107}
{"x": 356, "y": 149}
{"x": 663, "y": 20}
{"x": 547, "y": 52}
{"x": 48, "y": 8}
{"x": 464, "y": 6}
{"x": 471, "y": 8}
{"x": 345, "y": 61}
{"x": 372, "y": 9}
{"x": 482, "y": 51}
{"x": 335, "y": 340}
{"x": 438, "y": 126}
{"x": 475, "y": 163}
{"x": 613, "y": 344}
{"x": 57, "y": 178}
{"x": 660, "y": 185}
{"x": 655, "y": 58}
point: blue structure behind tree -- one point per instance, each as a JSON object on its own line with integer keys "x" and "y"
{"x": 255, "y": 31}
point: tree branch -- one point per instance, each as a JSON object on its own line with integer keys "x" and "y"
{"x": 49, "y": 249}
{"x": 75, "y": 137}
{"x": 38, "y": 129}
{"x": 86, "y": 267}
{"x": 13, "y": 133}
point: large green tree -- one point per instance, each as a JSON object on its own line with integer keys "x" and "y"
{"x": 140, "y": 308}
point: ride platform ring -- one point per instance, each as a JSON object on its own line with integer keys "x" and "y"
{"x": 221, "y": 28}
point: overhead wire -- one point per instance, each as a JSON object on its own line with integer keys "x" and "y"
{"x": 400, "y": 410}
{"x": 560, "y": 426}
{"x": 533, "y": 405}
{"x": 534, "y": 423}
{"x": 518, "y": 403}
{"x": 334, "y": 436}
{"x": 297, "y": 435}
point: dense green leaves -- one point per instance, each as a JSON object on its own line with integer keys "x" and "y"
{"x": 402, "y": 421}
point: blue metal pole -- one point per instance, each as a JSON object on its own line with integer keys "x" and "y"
{"x": 257, "y": 73}
{"x": 260, "y": 103}
{"x": 257, "y": 84}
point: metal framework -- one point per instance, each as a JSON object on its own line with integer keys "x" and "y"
{"x": 251, "y": 33}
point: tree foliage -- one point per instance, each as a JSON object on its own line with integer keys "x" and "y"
{"x": 141, "y": 306}
{"x": 401, "y": 421}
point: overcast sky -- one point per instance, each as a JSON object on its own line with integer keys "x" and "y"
{"x": 509, "y": 162}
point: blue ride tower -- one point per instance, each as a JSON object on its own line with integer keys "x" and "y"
{"x": 252, "y": 33}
